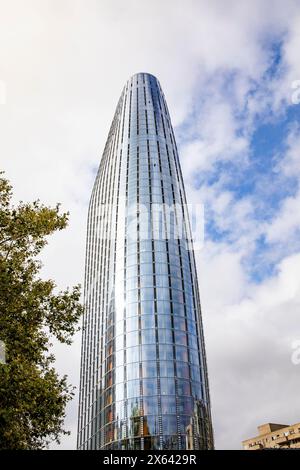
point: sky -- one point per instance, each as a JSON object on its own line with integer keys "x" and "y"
{"x": 230, "y": 72}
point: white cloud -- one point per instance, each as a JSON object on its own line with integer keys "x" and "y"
{"x": 249, "y": 344}
{"x": 286, "y": 224}
{"x": 216, "y": 129}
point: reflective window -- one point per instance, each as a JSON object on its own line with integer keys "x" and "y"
{"x": 169, "y": 424}
{"x": 119, "y": 375}
{"x": 132, "y": 339}
{"x": 165, "y": 336}
{"x": 195, "y": 373}
{"x": 168, "y": 405}
{"x": 146, "y": 269}
{"x": 132, "y": 323}
{"x": 120, "y": 342}
{"x": 185, "y": 405}
{"x": 133, "y": 407}
{"x": 151, "y": 443}
{"x": 165, "y": 351}
{"x": 164, "y": 321}
{"x": 119, "y": 391}
{"x": 166, "y": 368}
{"x": 147, "y": 308}
{"x": 180, "y": 338}
{"x": 133, "y": 388}
{"x": 148, "y": 352}
{"x": 167, "y": 386}
{"x": 149, "y": 387}
{"x": 179, "y": 323}
{"x": 149, "y": 369}
{"x": 132, "y": 371}
{"x": 178, "y": 309}
{"x": 148, "y": 336}
{"x": 148, "y": 321}
{"x": 134, "y": 427}
{"x": 150, "y": 426}
{"x": 132, "y": 354}
{"x": 197, "y": 390}
{"x": 181, "y": 353}
{"x": 182, "y": 370}
{"x": 183, "y": 387}
{"x": 194, "y": 356}
{"x": 150, "y": 405}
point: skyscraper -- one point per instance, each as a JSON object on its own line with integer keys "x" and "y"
{"x": 143, "y": 369}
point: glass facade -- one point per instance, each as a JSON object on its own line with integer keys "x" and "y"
{"x": 143, "y": 368}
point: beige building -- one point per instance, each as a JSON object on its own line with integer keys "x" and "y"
{"x": 274, "y": 436}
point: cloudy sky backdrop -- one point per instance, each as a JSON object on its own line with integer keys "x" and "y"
{"x": 229, "y": 70}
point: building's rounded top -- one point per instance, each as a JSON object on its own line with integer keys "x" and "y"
{"x": 143, "y": 73}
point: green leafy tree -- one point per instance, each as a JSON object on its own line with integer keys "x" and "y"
{"x": 32, "y": 395}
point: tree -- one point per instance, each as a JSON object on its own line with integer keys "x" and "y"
{"x": 32, "y": 395}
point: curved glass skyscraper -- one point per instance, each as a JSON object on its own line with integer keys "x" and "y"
{"x": 143, "y": 371}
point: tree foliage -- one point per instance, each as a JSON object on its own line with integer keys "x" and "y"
{"x": 32, "y": 395}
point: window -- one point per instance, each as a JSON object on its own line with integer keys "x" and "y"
{"x": 149, "y": 369}
{"x": 133, "y": 388}
{"x": 180, "y": 337}
{"x": 132, "y": 371}
{"x": 195, "y": 373}
{"x": 148, "y": 352}
{"x": 181, "y": 354}
{"x": 148, "y": 336}
{"x": 166, "y": 368}
{"x": 165, "y": 351}
{"x": 132, "y": 339}
{"x": 197, "y": 390}
{"x": 148, "y": 321}
{"x": 132, "y": 354}
{"x": 119, "y": 393}
{"x": 183, "y": 387}
{"x": 149, "y": 387}
{"x": 134, "y": 427}
{"x": 133, "y": 407}
{"x": 182, "y": 370}
{"x": 146, "y": 281}
{"x": 146, "y": 269}
{"x": 147, "y": 294}
{"x": 150, "y": 425}
{"x": 185, "y": 405}
{"x": 132, "y": 324}
{"x": 150, "y": 405}
{"x": 164, "y": 321}
{"x": 179, "y": 323}
{"x": 168, "y": 405}
{"x": 167, "y": 386}
{"x": 194, "y": 356}
{"x": 169, "y": 424}
{"x": 147, "y": 308}
{"x": 165, "y": 336}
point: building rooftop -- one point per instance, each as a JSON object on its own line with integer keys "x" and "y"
{"x": 274, "y": 435}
